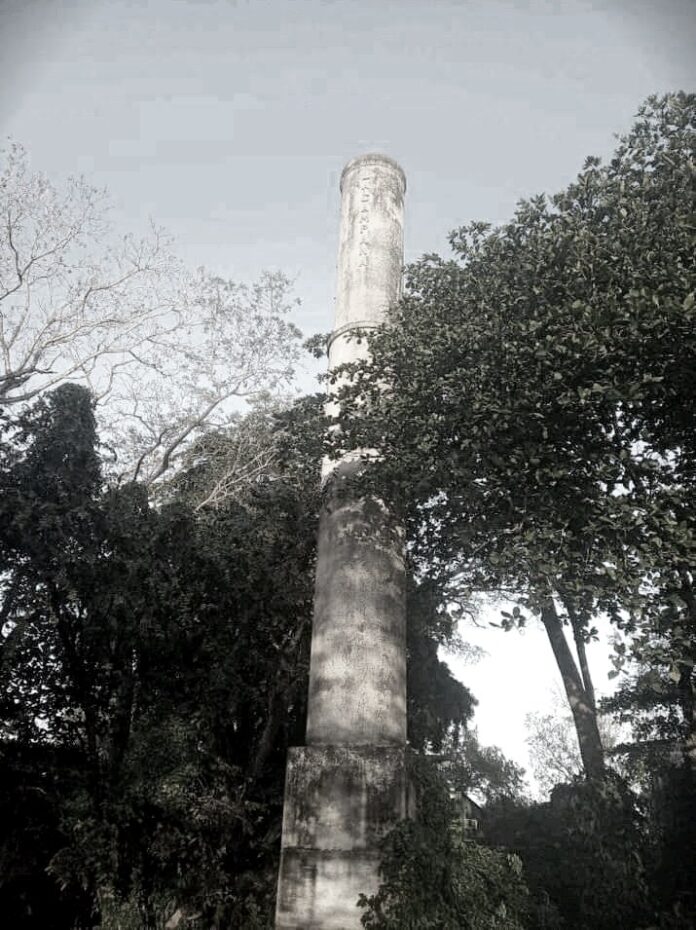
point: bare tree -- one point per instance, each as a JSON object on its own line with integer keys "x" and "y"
{"x": 232, "y": 342}
{"x": 165, "y": 352}
{"x": 552, "y": 742}
{"x": 553, "y": 749}
{"x": 223, "y": 465}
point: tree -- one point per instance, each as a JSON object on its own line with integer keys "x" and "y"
{"x": 553, "y": 750}
{"x": 433, "y": 876}
{"x": 439, "y": 708}
{"x": 649, "y": 702}
{"x": 582, "y": 853}
{"x": 553, "y": 746}
{"x": 165, "y": 352}
{"x": 153, "y": 671}
{"x": 156, "y": 664}
{"x": 532, "y": 401}
{"x": 483, "y": 771}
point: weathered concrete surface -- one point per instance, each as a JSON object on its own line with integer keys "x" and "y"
{"x": 339, "y": 801}
{"x": 347, "y": 787}
{"x": 357, "y": 682}
{"x": 357, "y": 689}
{"x": 370, "y": 256}
{"x": 371, "y": 248}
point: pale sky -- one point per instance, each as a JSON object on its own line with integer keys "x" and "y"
{"x": 229, "y": 123}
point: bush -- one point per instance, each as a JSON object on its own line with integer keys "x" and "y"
{"x": 436, "y": 879}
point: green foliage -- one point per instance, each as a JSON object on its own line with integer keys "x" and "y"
{"x": 650, "y": 701}
{"x": 582, "y": 854}
{"x": 435, "y": 878}
{"x": 438, "y": 704}
{"x": 161, "y": 660}
{"x": 533, "y": 401}
{"x": 553, "y": 748}
{"x": 153, "y": 670}
{"x": 510, "y": 366}
{"x": 483, "y": 771}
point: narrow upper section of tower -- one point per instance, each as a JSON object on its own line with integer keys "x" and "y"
{"x": 371, "y": 248}
{"x": 373, "y": 158}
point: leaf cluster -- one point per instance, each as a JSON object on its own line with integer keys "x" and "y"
{"x": 432, "y": 877}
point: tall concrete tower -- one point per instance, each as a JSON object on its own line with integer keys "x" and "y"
{"x": 347, "y": 786}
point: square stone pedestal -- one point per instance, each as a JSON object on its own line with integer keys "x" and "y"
{"x": 339, "y": 802}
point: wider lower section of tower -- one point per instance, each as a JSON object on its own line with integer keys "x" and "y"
{"x": 339, "y": 803}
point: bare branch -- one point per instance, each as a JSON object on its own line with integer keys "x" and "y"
{"x": 125, "y": 318}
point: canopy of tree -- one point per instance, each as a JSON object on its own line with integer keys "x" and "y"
{"x": 165, "y": 351}
{"x": 153, "y": 670}
{"x": 532, "y": 400}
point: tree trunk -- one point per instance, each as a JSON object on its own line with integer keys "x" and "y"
{"x": 278, "y": 699}
{"x": 687, "y": 700}
{"x": 582, "y": 655}
{"x": 687, "y": 692}
{"x": 581, "y": 705}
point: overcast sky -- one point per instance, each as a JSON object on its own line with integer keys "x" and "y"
{"x": 229, "y": 123}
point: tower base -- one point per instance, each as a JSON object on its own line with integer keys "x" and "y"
{"x": 339, "y": 803}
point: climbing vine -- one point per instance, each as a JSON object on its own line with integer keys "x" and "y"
{"x": 434, "y": 877}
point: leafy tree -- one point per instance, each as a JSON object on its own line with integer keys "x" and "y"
{"x": 553, "y": 746}
{"x": 553, "y": 750}
{"x": 581, "y": 853}
{"x": 649, "y": 701}
{"x": 153, "y": 663}
{"x": 439, "y": 706}
{"x": 483, "y": 771}
{"x": 161, "y": 660}
{"x": 533, "y": 401}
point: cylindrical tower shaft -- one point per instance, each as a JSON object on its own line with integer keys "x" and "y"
{"x": 357, "y": 691}
{"x": 371, "y": 249}
{"x": 348, "y": 785}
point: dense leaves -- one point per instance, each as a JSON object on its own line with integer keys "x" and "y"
{"x": 582, "y": 855}
{"x": 439, "y": 706}
{"x": 435, "y": 877}
{"x": 156, "y": 665}
{"x": 154, "y": 669}
{"x": 533, "y": 398}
